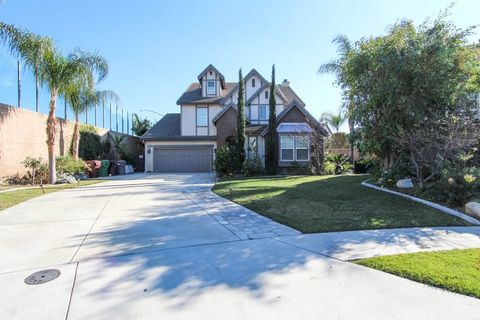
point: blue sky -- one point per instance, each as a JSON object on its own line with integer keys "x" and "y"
{"x": 157, "y": 48}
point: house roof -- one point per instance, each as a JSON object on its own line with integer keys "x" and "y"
{"x": 245, "y": 78}
{"x": 210, "y": 66}
{"x": 222, "y": 112}
{"x": 193, "y": 95}
{"x": 297, "y": 104}
{"x": 289, "y": 94}
{"x": 168, "y": 129}
{"x": 255, "y": 128}
{"x": 260, "y": 90}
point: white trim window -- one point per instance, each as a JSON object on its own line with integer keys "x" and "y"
{"x": 211, "y": 88}
{"x": 287, "y": 146}
{"x": 202, "y": 117}
{"x": 301, "y": 148}
{"x": 262, "y": 112}
{"x": 294, "y": 148}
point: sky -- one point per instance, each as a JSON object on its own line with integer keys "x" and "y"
{"x": 156, "y": 49}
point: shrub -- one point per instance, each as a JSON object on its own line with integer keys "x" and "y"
{"x": 336, "y": 164}
{"x": 364, "y": 165}
{"x": 67, "y": 165}
{"x": 226, "y": 161}
{"x": 90, "y": 146}
{"x": 301, "y": 169}
{"x": 252, "y": 166}
{"x": 38, "y": 169}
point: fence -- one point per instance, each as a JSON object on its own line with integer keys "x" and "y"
{"x": 23, "y": 133}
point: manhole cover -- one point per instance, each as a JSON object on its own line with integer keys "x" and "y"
{"x": 42, "y": 276}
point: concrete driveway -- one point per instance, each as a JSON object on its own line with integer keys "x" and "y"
{"x": 164, "y": 247}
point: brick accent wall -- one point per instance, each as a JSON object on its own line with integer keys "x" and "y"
{"x": 226, "y": 126}
{"x": 22, "y": 134}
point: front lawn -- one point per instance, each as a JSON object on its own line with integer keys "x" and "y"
{"x": 454, "y": 270}
{"x": 11, "y": 198}
{"x": 329, "y": 203}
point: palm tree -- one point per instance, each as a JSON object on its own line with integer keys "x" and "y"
{"x": 81, "y": 97}
{"x": 344, "y": 49}
{"x": 58, "y": 72}
{"x": 333, "y": 121}
{"x": 140, "y": 126}
{"x": 28, "y": 47}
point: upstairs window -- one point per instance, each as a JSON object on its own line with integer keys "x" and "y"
{"x": 266, "y": 94}
{"x": 253, "y": 83}
{"x": 211, "y": 88}
{"x": 262, "y": 112}
{"x": 202, "y": 117}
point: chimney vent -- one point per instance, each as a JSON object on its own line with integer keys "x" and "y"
{"x": 285, "y": 83}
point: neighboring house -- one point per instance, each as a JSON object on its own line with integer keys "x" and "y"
{"x": 187, "y": 141}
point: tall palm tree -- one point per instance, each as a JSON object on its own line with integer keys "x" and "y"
{"x": 28, "y": 47}
{"x": 81, "y": 97}
{"x": 58, "y": 72}
{"x": 337, "y": 66}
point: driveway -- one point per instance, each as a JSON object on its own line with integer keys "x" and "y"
{"x": 165, "y": 247}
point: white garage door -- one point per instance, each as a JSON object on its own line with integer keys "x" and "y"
{"x": 183, "y": 159}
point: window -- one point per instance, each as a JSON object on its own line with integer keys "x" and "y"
{"x": 211, "y": 87}
{"x": 262, "y": 112}
{"x": 286, "y": 148}
{"x": 301, "y": 148}
{"x": 294, "y": 148}
{"x": 253, "y": 83}
{"x": 247, "y": 111}
{"x": 266, "y": 94}
{"x": 202, "y": 117}
{"x": 252, "y": 146}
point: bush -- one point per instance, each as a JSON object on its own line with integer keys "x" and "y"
{"x": 364, "y": 165}
{"x": 38, "y": 170}
{"x": 458, "y": 184}
{"x": 252, "y": 166}
{"x": 336, "y": 164}
{"x": 226, "y": 161}
{"x": 67, "y": 165}
{"x": 90, "y": 146}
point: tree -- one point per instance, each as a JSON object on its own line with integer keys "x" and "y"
{"x": 338, "y": 66}
{"x": 271, "y": 137}
{"x": 333, "y": 121}
{"x": 34, "y": 164}
{"x": 117, "y": 140}
{"x": 28, "y": 47}
{"x": 57, "y": 72}
{"x": 240, "y": 121}
{"x": 140, "y": 126}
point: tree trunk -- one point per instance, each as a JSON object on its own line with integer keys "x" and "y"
{"x": 37, "y": 105}
{"x": 51, "y": 136}
{"x": 76, "y": 137}
{"x": 19, "y": 84}
{"x": 352, "y": 146}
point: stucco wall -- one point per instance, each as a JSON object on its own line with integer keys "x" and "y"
{"x": 22, "y": 134}
{"x": 188, "y": 121}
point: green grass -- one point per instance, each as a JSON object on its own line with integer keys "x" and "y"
{"x": 329, "y": 203}
{"x": 11, "y": 198}
{"x": 454, "y": 270}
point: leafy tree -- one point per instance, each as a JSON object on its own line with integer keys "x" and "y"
{"x": 90, "y": 145}
{"x": 118, "y": 145}
{"x": 140, "y": 126}
{"x": 271, "y": 144}
{"x": 240, "y": 121}
{"x": 409, "y": 81}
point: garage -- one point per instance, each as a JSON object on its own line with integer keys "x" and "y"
{"x": 183, "y": 159}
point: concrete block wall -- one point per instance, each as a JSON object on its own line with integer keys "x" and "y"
{"x": 23, "y": 133}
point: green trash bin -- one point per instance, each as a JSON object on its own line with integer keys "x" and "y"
{"x": 103, "y": 171}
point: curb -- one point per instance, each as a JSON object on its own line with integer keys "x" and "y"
{"x": 447, "y": 210}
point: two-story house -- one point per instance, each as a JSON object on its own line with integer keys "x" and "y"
{"x": 187, "y": 141}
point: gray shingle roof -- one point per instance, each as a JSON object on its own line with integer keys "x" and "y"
{"x": 168, "y": 129}
{"x": 289, "y": 94}
{"x": 193, "y": 94}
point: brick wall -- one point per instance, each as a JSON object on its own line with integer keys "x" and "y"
{"x": 22, "y": 134}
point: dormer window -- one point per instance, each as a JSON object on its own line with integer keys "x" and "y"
{"x": 211, "y": 88}
{"x": 253, "y": 83}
